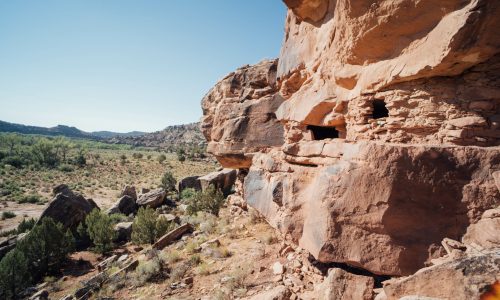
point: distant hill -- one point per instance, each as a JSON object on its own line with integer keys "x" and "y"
{"x": 171, "y": 136}
{"x": 63, "y": 130}
{"x": 111, "y": 134}
{"x": 57, "y": 130}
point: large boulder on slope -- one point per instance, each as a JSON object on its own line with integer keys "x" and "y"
{"x": 153, "y": 199}
{"x": 125, "y": 205}
{"x": 223, "y": 180}
{"x": 68, "y": 207}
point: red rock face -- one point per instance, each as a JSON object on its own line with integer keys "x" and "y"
{"x": 390, "y": 112}
{"x": 238, "y": 115}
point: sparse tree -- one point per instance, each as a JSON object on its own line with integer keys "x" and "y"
{"x": 209, "y": 200}
{"x": 14, "y": 274}
{"x": 168, "y": 182}
{"x": 148, "y": 226}
{"x": 46, "y": 246}
{"x": 99, "y": 227}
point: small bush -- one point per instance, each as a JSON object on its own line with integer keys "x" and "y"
{"x": 210, "y": 200}
{"x": 15, "y": 161}
{"x": 203, "y": 269}
{"x": 65, "y": 168}
{"x": 188, "y": 193}
{"x": 168, "y": 182}
{"x": 99, "y": 227}
{"x": 147, "y": 271}
{"x": 30, "y": 199}
{"x": 161, "y": 158}
{"x": 195, "y": 259}
{"x": 171, "y": 256}
{"x": 192, "y": 247}
{"x": 8, "y": 215}
{"x": 137, "y": 155}
{"x": 148, "y": 227}
{"x": 179, "y": 271}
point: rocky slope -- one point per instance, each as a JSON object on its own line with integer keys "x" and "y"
{"x": 390, "y": 114}
{"x": 171, "y": 136}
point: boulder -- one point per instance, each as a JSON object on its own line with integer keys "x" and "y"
{"x": 486, "y": 232}
{"x": 223, "y": 180}
{"x": 68, "y": 208}
{"x": 340, "y": 284}
{"x": 153, "y": 199}
{"x": 123, "y": 231}
{"x": 170, "y": 217}
{"x": 461, "y": 279}
{"x": 279, "y": 292}
{"x": 130, "y": 191}
{"x": 125, "y": 205}
{"x": 172, "y": 236}
{"x": 190, "y": 182}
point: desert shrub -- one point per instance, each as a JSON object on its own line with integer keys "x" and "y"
{"x": 168, "y": 182}
{"x": 192, "y": 247}
{"x": 8, "y": 215}
{"x": 45, "y": 247}
{"x": 179, "y": 271}
{"x": 161, "y": 158}
{"x": 209, "y": 200}
{"x": 137, "y": 155}
{"x": 30, "y": 199}
{"x": 16, "y": 161}
{"x": 26, "y": 225}
{"x": 188, "y": 193}
{"x": 203, "y": 269}
{"x": 99, "y": 227}
{"x": 147, "y": 271}
{"x": 14, "y": 274}
{"x": 195, "y": 259}
{"x": 268, "y": 239}
{"x": 171, "y": 256}
{"x": 65, "y": 168}
{"x": 148, "y": 227}
{"x": 80, "y": 159}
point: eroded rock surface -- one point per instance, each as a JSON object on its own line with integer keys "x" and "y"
{"x": 461, "y": 279}
{"x": 238, "y": 114}
{"x": 391, "y": 124}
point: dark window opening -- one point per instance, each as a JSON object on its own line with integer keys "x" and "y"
{"x": 379, "y": 109}
{"x": 321, "y": 132}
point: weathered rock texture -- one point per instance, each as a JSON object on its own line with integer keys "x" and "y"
{"x": 239, "y": 114}
{"x": 462, "y": 279}
{"x": 391, "y": 123}
{"x": 67, "y": 207}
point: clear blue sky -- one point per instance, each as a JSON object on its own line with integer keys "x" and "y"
{"x": 125, "y": 65}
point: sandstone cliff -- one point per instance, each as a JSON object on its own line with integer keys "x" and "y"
{"x": 390, "y": 114}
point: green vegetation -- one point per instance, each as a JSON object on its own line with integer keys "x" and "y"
{"x": 45, "y": 247}
{"x": 99, "y": 227}
{"x": 161, "y": 158}
{"x": 8, "y": 215}
{"x": 209, "y": 200}
{"x": 14, "y": 275}
{"x": 168, "y": 182}
{"x": 148, "y": 226}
